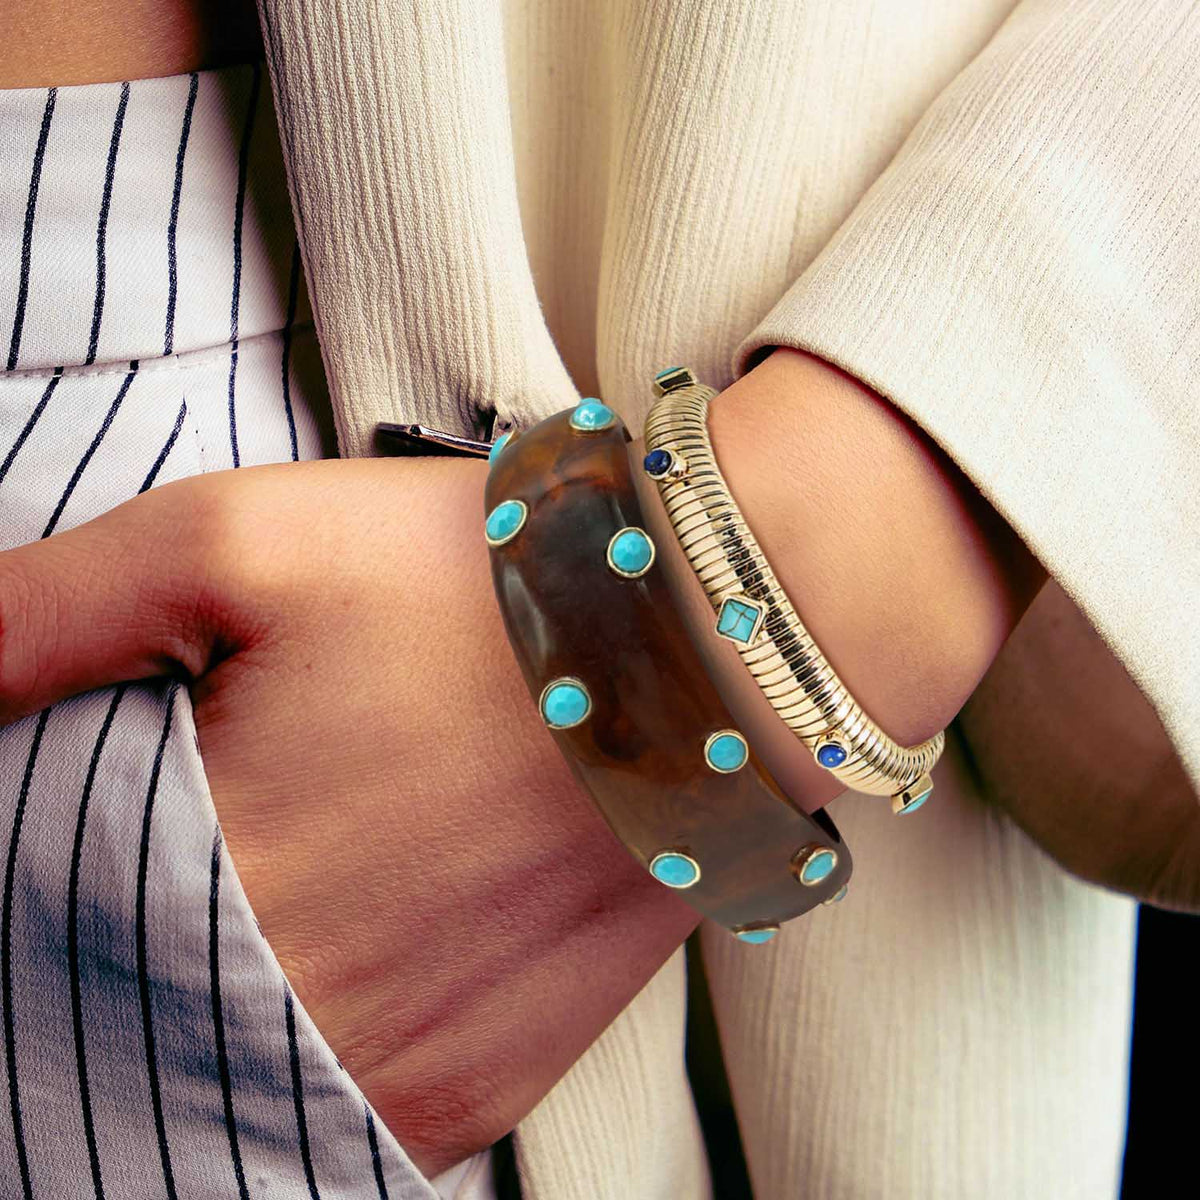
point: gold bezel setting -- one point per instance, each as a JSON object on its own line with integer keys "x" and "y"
{"x": 804, "y": 856}
{"x": 568, "y": 680}
{"x": 679, "y": 887}
{"x": 508, "y": 537}
{"x": 752, "y": 935}
{"x": 724, "y": 733}
{"x": 612, "y": 541}
{"x": 914, "y": 796}
{"x": 830, "y": 739}
{"x": 747, "y": 602}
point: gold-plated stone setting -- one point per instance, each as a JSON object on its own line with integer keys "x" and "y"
{"x": 675, "y": 869}
{"x": 565, "y": 702}
{"x": 505, "y": 521}
{"x": 717, "y": 750}
{"x": 756, "y": 935}
{"x": 740, "y": 619}
{"x": 672, "y": 378}
{"x": 633, "y": 536}
{"x": 813, "y": 864}
{"x": 913, "y": 796}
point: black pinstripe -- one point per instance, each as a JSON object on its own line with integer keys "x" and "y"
{"x": 214, "y": 972}
{"x": 148, "y": 482}
{"x": 110, "y": 172}
{"x": 298, "y": 1091}
{"x": 87, "y": 455}
{"x": 376, "y": 1164}
{"x": 10, "y": 1033}
{"x": 33, "y": 420}
{"x": 239, "y": 212}
{"x": 85, "y": 1099}
{"x": 293, "y": 299}
{"x": 173, "y": 223}
{"x": 35, "y": 178}
{"x": 160, "y": 1128}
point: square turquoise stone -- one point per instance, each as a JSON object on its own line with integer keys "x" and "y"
{"x": 671, "y": 378}
{"x": 738, "y": 620}
{"x": 917, "y": 801}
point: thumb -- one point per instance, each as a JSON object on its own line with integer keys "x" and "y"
{"x": 134, "y": 593}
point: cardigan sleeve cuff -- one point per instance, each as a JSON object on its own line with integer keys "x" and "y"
{"x": 1015, "y": 283}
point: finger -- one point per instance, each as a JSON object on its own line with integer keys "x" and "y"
{"x": 132, "y": 594}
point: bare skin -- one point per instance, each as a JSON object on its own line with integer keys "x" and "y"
{"x": 60, "y": 42}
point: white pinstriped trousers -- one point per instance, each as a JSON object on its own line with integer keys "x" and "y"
{"x": 156, "y": 327}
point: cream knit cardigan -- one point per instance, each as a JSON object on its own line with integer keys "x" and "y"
{"x": 989, "y": 212}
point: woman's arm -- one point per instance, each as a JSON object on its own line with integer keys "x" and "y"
{"x": 449, "y": 907}
{"x": 905, "y": 576}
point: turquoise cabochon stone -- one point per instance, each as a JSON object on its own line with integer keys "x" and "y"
{"x": 756, "y": 937}
{"x": 675, "y": 870}
{"x": 631, "y": 551}
{"x": 819, "y": 866}
{"x": 564, "y": 704}
{"x": 727, "y": 752}
{"x": 505, "y": 520}
{"x": 497, "y": 446}
{"x": 591, "y": 414}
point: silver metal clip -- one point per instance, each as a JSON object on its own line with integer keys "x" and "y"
{"x": 410, "y": 441}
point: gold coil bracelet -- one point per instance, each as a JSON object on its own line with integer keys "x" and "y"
{"x": 755, "y": 614}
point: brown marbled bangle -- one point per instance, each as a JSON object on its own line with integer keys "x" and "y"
{"x": 623, "y": 689}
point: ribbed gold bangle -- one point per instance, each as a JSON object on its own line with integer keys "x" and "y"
{"x": 754, "y": 612}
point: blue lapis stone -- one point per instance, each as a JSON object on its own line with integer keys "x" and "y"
{"x": 497, "y": 446}
{"x": 738, "y": 620}
{"x": 505, "y": 521}
{"x": 630, "y": 552}
{"x": 674, "y": 869}
{"x": 819, "y": 866}
{"x": 565, "y": 703}
{"x": 831, "y": 755}
{"x": 726, "y": 752}
{"x": 916, "y": 802}
{"x": 657, "y": 463}
{"x": 591, "y": 415}
{"x": 756, "y": 937}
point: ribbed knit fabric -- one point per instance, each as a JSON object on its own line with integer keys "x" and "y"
{"x": 497, "y": 214}
{"x": 1024, "y": 281}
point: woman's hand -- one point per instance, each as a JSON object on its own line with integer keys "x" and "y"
{"x": 453, "y": 913}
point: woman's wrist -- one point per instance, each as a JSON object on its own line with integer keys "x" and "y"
{"x": 906, "y": 578}
{"x": 545, "y": 903}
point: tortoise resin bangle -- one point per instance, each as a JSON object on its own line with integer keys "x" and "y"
{"x": 623, "y": 689}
